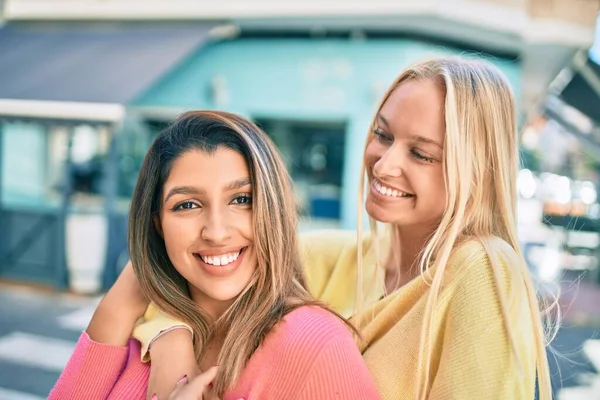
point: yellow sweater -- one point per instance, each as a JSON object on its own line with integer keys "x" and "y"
{"x": 471, "y": 353}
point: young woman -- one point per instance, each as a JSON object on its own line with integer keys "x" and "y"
{"x": 212, "y": 239}
{"x": 449, "y": 310}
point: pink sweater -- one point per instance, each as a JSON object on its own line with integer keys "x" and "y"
{"x": 310, "y": 355}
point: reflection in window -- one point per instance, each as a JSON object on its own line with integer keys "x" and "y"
{"x": 34, "y": 163}
{"x": 314, "y": 154}
{"x": 133, "y": 143}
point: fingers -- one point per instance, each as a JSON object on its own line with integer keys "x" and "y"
{"x": 197, "y": 388}
{"x": 203, "y": 381}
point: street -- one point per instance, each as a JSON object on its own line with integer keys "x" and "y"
{"x": 38, "y": 330}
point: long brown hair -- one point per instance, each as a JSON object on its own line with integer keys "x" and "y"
{"x": 277, "y": 286}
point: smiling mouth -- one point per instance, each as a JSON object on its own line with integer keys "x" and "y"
{"x": 386, "y": 191}
{"x": 221, "y": 260}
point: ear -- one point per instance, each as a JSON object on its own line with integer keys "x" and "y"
{"x": 158, "y": 225}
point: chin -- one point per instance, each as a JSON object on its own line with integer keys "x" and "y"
{"x": 387, "y": 216}
{"x": 379, "y": 213}
{"x": 221, "y": 292}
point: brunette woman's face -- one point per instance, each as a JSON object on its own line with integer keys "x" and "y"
{"x": 206, "y": 222}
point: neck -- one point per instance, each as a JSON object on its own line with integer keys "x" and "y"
{"x": 213, "y": 307}
{"x": 403, "y": 266}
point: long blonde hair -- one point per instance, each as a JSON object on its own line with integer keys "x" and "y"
{"x": 277, "y": 286}
{"x": 480, "y": 170}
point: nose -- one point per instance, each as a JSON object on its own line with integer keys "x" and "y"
{"x": 389, "y": 164}
{"x": 216, "y": 229}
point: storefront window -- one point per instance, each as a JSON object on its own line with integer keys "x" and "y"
{"x": 314, "y": 154}
{"x": 34, "y": 164}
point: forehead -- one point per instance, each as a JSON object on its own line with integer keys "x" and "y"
{"x": 200, "y": 168}
{"x": 416, "y": 107}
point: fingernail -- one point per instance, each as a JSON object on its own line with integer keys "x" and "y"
{"x": 182, "y": 379}
{"x": 210, "y": 385}
{"x": 154, "y": 396}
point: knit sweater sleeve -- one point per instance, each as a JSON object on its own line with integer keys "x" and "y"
{"x": 91, "y": 372}
{"x": 477, "y": 360}
{"x": 339, "y": 373}
{"x": 320, "y": 253}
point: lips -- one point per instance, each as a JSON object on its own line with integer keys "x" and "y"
{"x": 390, "y": 192}
{"x": 219, "y": 260}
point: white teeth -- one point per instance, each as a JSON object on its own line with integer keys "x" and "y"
{"x": 388, "y": 191}
{"x": 221, "y": 260}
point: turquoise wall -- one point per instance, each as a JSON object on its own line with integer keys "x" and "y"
{"x": 23, "y": 162}
{"x": 305, "y": 79}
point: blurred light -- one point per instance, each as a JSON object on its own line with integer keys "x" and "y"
{"x": 530, "y": 138}
{"x": 595, "y": 49}
{"x": 588, "y": 193}
{"x": 549, "y": 268}
{"x": 85, "y": 144}
{"x": 594, "y": 211}
{"x": 225, "y": 31}
{"x": 526, "y": 183}
{"x": 562, "y": 190}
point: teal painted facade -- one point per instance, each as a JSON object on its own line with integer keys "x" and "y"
{"x": 318, "y": 80}
{"x": 23, "y": 167}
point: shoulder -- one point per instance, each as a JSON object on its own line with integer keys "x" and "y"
{"x": 333, "y": 239}
{"x": 308, "y": 330}
{"x": 333, "y": 243}
{"x": 483, "y": 257}
{"x": 486, "y": 268}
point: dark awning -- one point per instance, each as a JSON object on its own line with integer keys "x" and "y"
{"x": 108, "y": 63}
{"x": 583, "y": 91}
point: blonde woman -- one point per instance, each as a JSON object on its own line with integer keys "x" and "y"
{"x": 445, "y": 303}
{"x": 212, "y": 238}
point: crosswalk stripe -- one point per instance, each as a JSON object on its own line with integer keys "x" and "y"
{"x": 591, "y": 348}
{"x": 591, "y": 389}
{"x": 77, "y": 320}
{"x": 580, "y": 393}
{"x": 6, "y": 394}
{"x": 37, "y": 351}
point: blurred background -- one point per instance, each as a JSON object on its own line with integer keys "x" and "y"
{"x": 85, "y": 85}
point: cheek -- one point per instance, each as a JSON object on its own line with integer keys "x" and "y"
{"x": 437, "y": 188}
{"x": 245, "y": 225}
{"x": 179, "y": 233}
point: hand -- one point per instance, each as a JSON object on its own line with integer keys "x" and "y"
{"x": 199, "y": 388}
{"x": 119, "y": 310}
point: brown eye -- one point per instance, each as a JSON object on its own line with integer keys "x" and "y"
{"x": 243, "y": 200}
{"x": 186, "y": 205}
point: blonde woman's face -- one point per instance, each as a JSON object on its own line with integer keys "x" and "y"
{"x": 206, "y": 222}
{"x": 404, "y": 157}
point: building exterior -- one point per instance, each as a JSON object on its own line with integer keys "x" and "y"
{"x": 101, "y": 77}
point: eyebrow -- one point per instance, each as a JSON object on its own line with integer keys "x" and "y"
{"x": 237, "y": 184}
{"x": 383, "y": 121}
{"x": 418, "y": 138}
{"x": 426, "y": 140}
